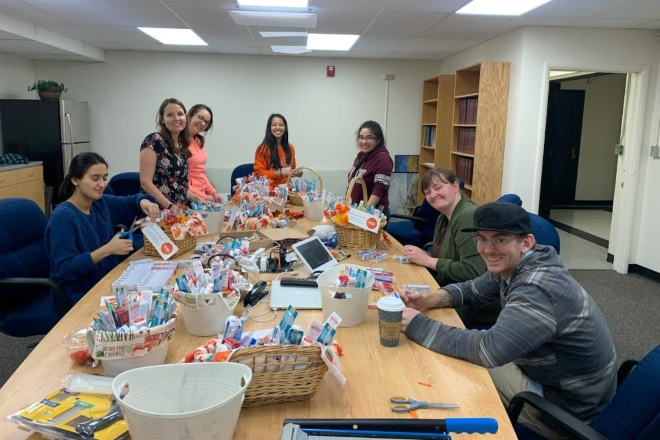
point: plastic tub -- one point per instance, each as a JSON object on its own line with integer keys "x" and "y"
{"x": 353, "y": 311}
{"x": 194, "y": 401}
{"x": 208, "y": 320}
{"x": 156, "y": 356}
{"x": 314, "y": 210}
{"x": 213, "y": 220}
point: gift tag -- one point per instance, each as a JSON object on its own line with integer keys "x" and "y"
{"x": 165, "y": 247}
{"x": 363, "y": 220}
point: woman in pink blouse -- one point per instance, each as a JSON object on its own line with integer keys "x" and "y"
{"x": 200, "y": 120}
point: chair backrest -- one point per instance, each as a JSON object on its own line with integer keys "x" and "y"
{"x": 542, "y": 229}
{"x": 430, "y": 216}
{"x": 125, "y": 184}
{"x": 240, "y": 171}
{"x": 634, "y": 411}
{"x": 22, "y": 251}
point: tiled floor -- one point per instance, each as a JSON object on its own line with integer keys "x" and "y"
{"x": 593, "y": 221}
{"x": 578, "y": 253}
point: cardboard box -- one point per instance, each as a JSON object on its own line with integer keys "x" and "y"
{"x": 262, "y": 242}
{"x": 277, "y": 234}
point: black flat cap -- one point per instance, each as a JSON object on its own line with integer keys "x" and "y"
{"x": 502, "y": 217}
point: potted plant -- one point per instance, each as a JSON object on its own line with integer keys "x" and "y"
{"x": 48, "y": 89}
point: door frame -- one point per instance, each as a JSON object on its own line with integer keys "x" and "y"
{"x": 628, "y": 164}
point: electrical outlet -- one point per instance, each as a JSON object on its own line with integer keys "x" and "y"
{"x": 388, "y": 77}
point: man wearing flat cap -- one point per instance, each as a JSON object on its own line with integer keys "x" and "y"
{"x": 550, "y": 338}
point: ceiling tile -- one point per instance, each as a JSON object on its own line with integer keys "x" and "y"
{"x": 199, "y": 2}
{"x": 440, "y": 44}
{"x": 341, "y": 22}
{"x": 81, "y": 12}
{"x": 466, "y": 44}
{"x": 426, "y": 5}
{"x": 655, "y": 25}
{"x": 411, "y": 55}
{"x": 464, "y": 26}
{"x": 209, "y": 17}
{"x": 404, "y": 24}
{"x": 355, "y": 5}
{"x": 640, "y": 10}
{"x": 23, "y": 11}
{"x": 608, "y": 23}
{"x": 369, "y": 55}
{"x": 9, "y": 36}
{"x": 103, "y": 34}
{"x": 140, "y": 13}
{"x": 574, "y": 8}
{"x": 239, "y": 38}
{"x": 385, "y": 44}
{"x": 110, "y": 46}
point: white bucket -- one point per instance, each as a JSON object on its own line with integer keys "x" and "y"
{"x": 213, "y": 220}
{"x": 183, "y": 401}
{"x": 314, "y": 210}
{"x": 156, "y": 356}
{"x": 353, "y": 311}
{"x": 210, "y": 318}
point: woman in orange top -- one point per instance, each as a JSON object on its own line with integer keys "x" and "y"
{"x": 200, "y": 121}
{"x": 275, "y": 158}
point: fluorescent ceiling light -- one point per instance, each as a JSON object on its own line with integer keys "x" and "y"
{"x": 331, "y": 41}
{"x": 275, "y": 3}
{"x": 185, "y": 37}
{"x": 289, "y": 49}
{"x": 282, "y": 34}
{"x": 501, "y": 7}
{"x": 277, "y": 19}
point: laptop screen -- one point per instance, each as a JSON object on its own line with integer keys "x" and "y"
{"x": 314, "y": 253}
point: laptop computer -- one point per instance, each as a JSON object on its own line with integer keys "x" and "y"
{"x": 316, "y": 257}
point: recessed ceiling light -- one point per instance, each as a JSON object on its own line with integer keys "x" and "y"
{"x": 275, "y": 3}
{"x": 277, "y": 19}
{"x": 506, "y": 7}
{"x": 289, "y": 49}
{"x": 185, "y": 37}
{"x": 282, "y": 34}
{"x": 331, "y": 41}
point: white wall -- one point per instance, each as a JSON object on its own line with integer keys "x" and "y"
{"x": 242, "y": 90}
{"x": 16, "y": 74}
{"x": 601, "y": 128}
{"x": 605, "y": 50}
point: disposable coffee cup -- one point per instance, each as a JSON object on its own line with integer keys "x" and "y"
{"x": 390, "y": 312}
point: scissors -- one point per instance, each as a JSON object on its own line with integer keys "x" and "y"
{"x": 128, "y": 232}
{"x": 404, "y": 404}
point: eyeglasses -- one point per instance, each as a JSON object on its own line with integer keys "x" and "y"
{"x": 201, "y": 119}
{"x": 496, "y": 242}
{"x": 366, "y": 138}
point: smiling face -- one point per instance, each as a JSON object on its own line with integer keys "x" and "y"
{"x": 277, "y": 128}
{"x": 367, "y": 140}
{"x": 93, "y": 183}
{"x": 508, "y": 251}
{"x": 200, "y": 122}
{"x": 442, "y": 196}
{"x": 174, "y": 119}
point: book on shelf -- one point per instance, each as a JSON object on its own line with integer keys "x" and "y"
{"x": 429, "y": 136}
{"x": 466, "y": 139}
{"x": 467, "y": 110}
{"x": 464, "y": 166}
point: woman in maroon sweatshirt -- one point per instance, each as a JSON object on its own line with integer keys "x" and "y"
{"x": 374, "y": 164}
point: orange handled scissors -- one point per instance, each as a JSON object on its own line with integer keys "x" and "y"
{"x": 404, "y": 404}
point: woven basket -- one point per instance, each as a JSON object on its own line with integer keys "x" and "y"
{"x": 184, "y": 245}
{"x": 288, "y": 382}
{"x": 295, "y": 198}
{"x": 48, "y": 94}
{"x": 351, "y": 236}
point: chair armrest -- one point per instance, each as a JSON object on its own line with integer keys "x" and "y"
{"x": 408, "y": 217}
{"x": 577, "y": 428}
{"x": 57, "y": 289}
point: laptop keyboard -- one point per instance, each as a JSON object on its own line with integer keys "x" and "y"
{"x": 299, "y": 282}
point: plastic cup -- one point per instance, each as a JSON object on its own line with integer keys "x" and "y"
{"x": 75, "y": 344}
{"x": 390, "y": 312}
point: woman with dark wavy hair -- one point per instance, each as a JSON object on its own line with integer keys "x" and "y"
{"x": 275, "y": 158}
{"x": 164, "y": 154}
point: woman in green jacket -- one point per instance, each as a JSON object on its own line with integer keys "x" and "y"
{"x": 454, "y": 257}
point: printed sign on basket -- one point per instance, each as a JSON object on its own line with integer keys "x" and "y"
{"x": 161, "y": 242}
{"x": 363, "y": 220}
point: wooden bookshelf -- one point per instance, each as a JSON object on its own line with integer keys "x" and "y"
{"x": 481, "y": 94}
{"x": 436, "y": 129}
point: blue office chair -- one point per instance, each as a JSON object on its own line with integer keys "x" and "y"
{"x": 416, "y": 230}
{"x": 542, "y": 229}
{"x": 634, "y": 413}
{"x": 30, "y": 302}
{"x": 240, "y": 171}
{"x": 125, "y": 184}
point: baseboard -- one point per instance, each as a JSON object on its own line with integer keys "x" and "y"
{"x": 637, "y": 269}
{"x": 580, "y": 233}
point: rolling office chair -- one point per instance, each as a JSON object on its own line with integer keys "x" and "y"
{"x": 125, "y": 184}
{"x": 634, "y": 413}
{"x": 542, "y": 229}
{"x": 240, "y": 171}
{"x": 416, "y": 230}
{"x": 30, "y": 302}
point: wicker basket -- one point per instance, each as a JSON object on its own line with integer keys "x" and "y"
{"x": 49, "y": 94}
{"x": 288, "y": 382}
{"x": 351, "y": 236}
{"x": 295, "y": 198}
{"x": 184, "y": 245}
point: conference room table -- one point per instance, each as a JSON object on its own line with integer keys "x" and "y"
{"x": 373, "y": 372}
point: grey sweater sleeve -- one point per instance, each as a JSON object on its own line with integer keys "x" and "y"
{"x": 480, "y": 291}
{"x": 526, "y": 322}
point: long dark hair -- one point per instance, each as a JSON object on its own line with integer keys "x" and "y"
{"x": 193, "y": 112}
{"x": 77, "y": 169}
{"x": 271, "y": 143}
{"x": 184, "y": 136}
{"x": 380, "y": 142}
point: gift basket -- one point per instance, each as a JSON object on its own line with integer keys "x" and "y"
{"x": 300, "y": 187}
{"x": 182, "y": 227}
{"x": 351, "y": 236}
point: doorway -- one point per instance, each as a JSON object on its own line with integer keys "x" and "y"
{"x": 583, "y": 125}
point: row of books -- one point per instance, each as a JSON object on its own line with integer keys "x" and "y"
{"x": 467, "y": 110}
{"x": 464, "y": 167}
{"x": 429, "y": 136}
{"x": 466, "y": 139}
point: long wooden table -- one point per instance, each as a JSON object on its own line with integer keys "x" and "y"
{"x": 374, "y": 373}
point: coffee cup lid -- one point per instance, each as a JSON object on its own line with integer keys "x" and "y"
{"x": 390, "y": 304}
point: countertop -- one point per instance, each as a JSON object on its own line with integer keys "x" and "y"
{"x": 16, "y": 166}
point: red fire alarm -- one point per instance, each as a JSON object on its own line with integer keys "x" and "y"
{"x": 330, "y": 71}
